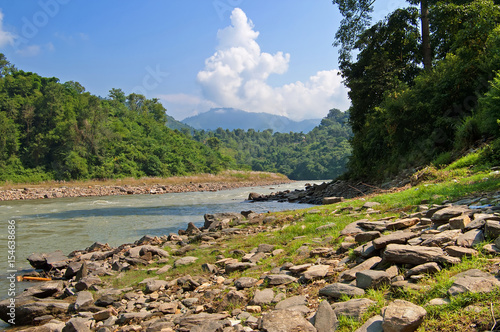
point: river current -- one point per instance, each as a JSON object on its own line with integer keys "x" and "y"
{"x": 69, "y": 224}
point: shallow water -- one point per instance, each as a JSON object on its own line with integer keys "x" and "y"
{"x": 69, "y": 224}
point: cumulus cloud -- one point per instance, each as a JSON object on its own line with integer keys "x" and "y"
{"x": 5, "y": 36}
{"x": 236, "y": 76}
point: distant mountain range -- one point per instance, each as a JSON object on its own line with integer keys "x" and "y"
{"x": 230, "y": 118}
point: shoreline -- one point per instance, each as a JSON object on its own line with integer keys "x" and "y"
{"x": 145, "y": 186}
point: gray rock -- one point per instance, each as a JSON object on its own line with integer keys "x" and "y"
{"x": 87, "y": 282}
{"x": 315, "y": 271}
{"x": 354, "y": 308}
{"x": 366, "y": 250}
{"x": 473, "y": 281}
{"x": 402, "y": 224}
{"x": 460, "y": 251}
{"x": 155, "y": 285}
{"x": 497, "y": 242}
{"x": 168, "y": 308}
{"x": 264, "y": 296}
{"x": 244, "y": 282}
{"x": 130, "y": 317}
{"x": 470, "y": 238}
{"x": 492, "y": 229}
{"x": 439, "y": 239}
{"x": 212, "y": 218}
{"x": 190, "y": 321}
{"x": 399, "y": 237}
{"x": 325, "y": 319}
{"x": 293, "y": 301}
{"x": 285, "y": 321}
{"x": 185, "y": 261}
{"x": 415, "y": 255}
{"x": 354, "y": 228}
{"x": 279, "y": 279}
{"x": 332, "y": 200}
{"x": 238, "y": 267}
{"x": 372, "y": 279}
{"x": 374, "y": 324}
{"x": 402, "y": 316}
{"x": 45, "y": 289}
{"x": 72, "y": 269}
{"x": 366, "y": 265}
{"x": 28, "y": 308}
{"x": 266, "y": 248}
{"x": 370, "y": 205}
{"x": 459, "y": 222}
{"x": 76, "y": 325}
{"x": 336, "y": 290}
{"x": 84, "y": 299}
{"x": 367, "y": 236}
{"x": 445, "y": 214}
{"x": 428, "y": 268}
{"x": 164, "y": 269}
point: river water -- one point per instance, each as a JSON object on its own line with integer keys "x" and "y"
{"x": 69, "y": 224}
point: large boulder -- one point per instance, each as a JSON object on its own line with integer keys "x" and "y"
{"x": 402, "y": 316}
{"x": 325, "y": 319}
{"x": 415, "y": 255}
{"x": 285, "y": 321}
{"x": 473, "y": 281}
{"x": 336, "y": 290}
{"x": 27, "y": 308}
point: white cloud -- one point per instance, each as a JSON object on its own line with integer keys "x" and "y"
{"x": 236, "y": 75}
{"x": 5, "y": 36}
{"x": 31, "y": 50}
{"x": 181, "y": 105}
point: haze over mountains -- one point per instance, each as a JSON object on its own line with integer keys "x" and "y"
{"x": 230, "y": 118}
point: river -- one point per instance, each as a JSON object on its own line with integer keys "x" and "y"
{"x": 69, "y": 224}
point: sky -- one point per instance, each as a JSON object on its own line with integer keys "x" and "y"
{"x": 256, "y": 55}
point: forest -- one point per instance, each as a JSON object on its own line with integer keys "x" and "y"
{"x": 424, "y": 84}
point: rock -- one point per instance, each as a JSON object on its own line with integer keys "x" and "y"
{"x": 367, "y": 236}
{"x": 438, "y": 301}
{"x": 87, "y": 282}
{"x": 264, "y": 296}
{"x": 45, "y": 289}
{"x": 497, "y": 242}
{"x": 439, "y": 239}
{"x": 320, "y": 252}
{"x": 399, "y": 237}
{"x": 76, "y": 325}
{"x": 354, "y": 308}
{"x": 168, "y": 308}
{"x": 471, "y": 238}
{"x": 366, "y": 250}
{"x": 192, "y": 229}
{"x": 72, "y": 269}
{"x": 415, "y": 255}
{"x": 155, "y": 285}
{"x": 84, "y": 299}
{"x": 428, "y": 268}
{"x": 164, "y": 269}
{"x": 217, "y": 217}
{"x": 279, "y": 279}
{"x": 473, "y": 281}
{"x": 373, "y": 324}
{"x": 185, "y": 261}
{"x": 372, "y": 279}
{"x": 459, "y": 222}
{"x": 104, "y": 314}
{"x": 53, "y": 260}
{"x": 255, "y": 309}
{"x": 336, "y": 290}
{"x": 370, "y": 205}
{"x": 353, "y": 228}
{"x": 189, "y": 321}
{"x": 332, "y": 200}
{"x": 238, "y": 267}
{"x": 284, "y": 321}
{"x": 254, "y": 196}
{"x": 27, "y": 308}
{"x": 401, "y": 224}
{"x": 366, "y": 265}
{"x": 294, "y": 301}
{"x": 266, "y": 248}
{"x": 325, "y": 319}
{"x": 492, "y": 229}
{"x": 244, "y": 282}
{"x": 445, "y": 214}
{"x": 402, "y": 316}
{"x": 460, "y": 251}
{"x": 315, "y": 271}
{"x": 130, "y": 317}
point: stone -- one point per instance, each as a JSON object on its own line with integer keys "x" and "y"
{"x": 279, "y": 279}
{"x": 315, "y": 272}
{"x": 84, "y": 299}
{"x": 445, "y": 214}
{"x": 264, "y": 296}
{"x": 439, "y": 239}
{"x": 284, "y": 321}
{"x": 192, "y": 229}
{"x": 332, "y": 200}
{"x": 238, "y": 267}
{"x": 366, "y": 250}
{"x": 402, "y": 224}
{"x": 155, "y": 285}
{"x": 189, "y": 321}
{"x": 87, "y": 282}
{"x": 367, "y": 236}
{"x": 28, "y": 308}
{"x": 460, "y": 252}
{"x": 130, "y": 317}
{"x": 45, "y": 289}
{"x": 320, "y": 252}
{"x": 215, "y": 217}
{"x": 492, "y": 229}
{"x": 164, "y": 269}
{"x": 366, "y": 265}
{"x": 185, "y": 261}
{"x": 336, "y": 290}
{"x": 325, "y": 319}
{"x": 76, "y": 325}
{"x": 428, "y": 268}
{"x": 373, "y": 324}
{"x": 473, "y": 281}
{"x": 354, "y": 228}
{"x": 168, "y": 308}
{"x": 255, "y": 309}
{"x": 497, "y": 242}
{"x": 354, "y": 308}
{"x": 104, "y": 314}
{"x": 370, "y": 205}
{"x": 399, "y": 237}
{"x": 372, "y": 279}
{"x": 438, "y": 301}
{"x": 470, "y": 238}
{"x": 72, "y": 269}
{"x": 415, "y": 255}
{"x": 290, "y": 302}
{"x": 402, "y": 316}
{"x": 244, "y": 282}
{"x": 460, "y": 222}
{"x": 266, "y": 248}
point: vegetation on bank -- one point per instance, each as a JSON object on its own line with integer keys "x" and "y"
{"x": 300, "y": 227}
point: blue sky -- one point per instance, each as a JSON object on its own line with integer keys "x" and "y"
{"x": 258, "y": 55}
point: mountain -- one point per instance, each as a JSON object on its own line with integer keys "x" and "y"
{"x": 230, "y": 118}
{"x": 174, "y": 124}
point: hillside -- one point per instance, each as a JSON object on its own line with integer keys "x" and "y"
{"x": 230, "y": 118}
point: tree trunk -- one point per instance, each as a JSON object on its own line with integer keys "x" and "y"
{"x": 426, "y": 36}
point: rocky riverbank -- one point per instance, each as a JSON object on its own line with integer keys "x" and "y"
{"x": 222, "y": 287}
{"x": 143, "y": 189}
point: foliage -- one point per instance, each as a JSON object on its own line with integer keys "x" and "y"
{"x": 53, "y": 130}
{"x": 319, "y": 154}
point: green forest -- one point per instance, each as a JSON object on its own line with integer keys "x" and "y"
{"x": 424, "y": 84}
{"x": 52, "y": 130}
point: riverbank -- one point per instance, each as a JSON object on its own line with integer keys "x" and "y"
{"x": 425, "y": 258}
{"x": 151, "y": 186}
